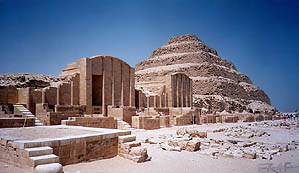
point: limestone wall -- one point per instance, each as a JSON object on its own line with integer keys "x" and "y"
{"x": 8, "y": 95}
{"x": 16, "y": 122}
{"x": 49, "y": 117}
{"x": 98, "y": 122}
{"x": 103, "y": 81}
{"x": 148, "y": 123}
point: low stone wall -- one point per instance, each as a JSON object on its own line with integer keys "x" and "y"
{"x": 230, "y": 119}
{"x": 77, "y": 109}
{"x": 71, "y": 149}
{"x": 180, "y": 120}
{"x": 164, "y": 121}
{"x": 98, "y": 122}
{"x": 147, "y": 123}
{"x": 165, "y": 111}
{"x": 249, "y": 118}
{"x": 124, "y": 113}
{"x": 48, "y": 117}
{"x": 16, "y": 122}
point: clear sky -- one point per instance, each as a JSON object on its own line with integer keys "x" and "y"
{"x": 261, "y": 37}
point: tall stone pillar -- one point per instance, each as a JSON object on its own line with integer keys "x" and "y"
{"x": 85, "y": 96}
{"x": 107, "y": 84}
{"x": 122, "y": 86}
{"x": 57, "y": 95}
{"x": 43, "y": 96}
{"x": 148, "y": 101}
{"x": 182, "y": 90}
{"x": 191, "y": 94}
{"x": 103, "y": 88}
{"x": 112, "y": 83}
{"x": 187, "y": 92}
{"x": 132, "y": 87}
{"x": 72, "y": 93}
{"x": 140, "y": 99}
{"x": 28, "y": 98}
{"x": 162, "y": 95}
{"x": 179, "y": 90}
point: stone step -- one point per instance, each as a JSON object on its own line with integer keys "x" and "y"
{"x": 37, "y": 121}
{"x": 129, "y": 145}
{"x": 44, "y": 159}
{"x": 18, "y": 105}
{"x": 26, "y": 112}
{"x": 49, "y": 168}
{"x": 29, "y": 116}
{"x": 21, "y": 108}
{"x": 127, "y": 138}
{"x": 38, "y": 151}
{"x": 38, "y": 124}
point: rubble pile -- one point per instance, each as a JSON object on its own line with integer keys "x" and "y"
{"x": 242, "y": 132}
{"x": 24, "y": 80}
{"x": 237, "y": 142}
{"x": 185, "y": 139}
{"x": 289, "y": 125}
{"x": 244, "y": 148}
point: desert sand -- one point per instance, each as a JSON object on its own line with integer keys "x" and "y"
{"x": 184, "y": 161}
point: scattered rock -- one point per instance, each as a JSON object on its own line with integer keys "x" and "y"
{"x": 49, "y": 168}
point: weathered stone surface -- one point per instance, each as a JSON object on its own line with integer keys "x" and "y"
{"x": 23, "y": 80}
{"x": 49, "y": 168}
{"x": 191, "y": 132}
{"x": 217, "y": 85}
{"x": 193, "y": 145}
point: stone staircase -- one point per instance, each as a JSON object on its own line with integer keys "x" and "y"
{"x": 123, "y": 125}
{"x": 24, "y": 112}
{"x": 129, "y": 148}
{"x": 42, "y": 158}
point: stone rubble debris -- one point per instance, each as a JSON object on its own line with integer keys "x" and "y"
{"x": 239, "y": 145}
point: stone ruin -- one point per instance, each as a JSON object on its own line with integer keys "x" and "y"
{"x": 182, "y": 83}
{"x": 217, "y": 85}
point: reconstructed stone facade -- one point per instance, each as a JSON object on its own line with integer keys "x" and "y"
{"x": 105, "y": 85}
{"x": 174, "y": 91}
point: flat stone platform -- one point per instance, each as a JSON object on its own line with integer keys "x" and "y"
{"x": 72, "y": 144}
{"x": 31, "y": 133}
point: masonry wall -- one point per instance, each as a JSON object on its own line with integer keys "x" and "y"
{"x": 122, "y": 113}
{"x": 69, "y": 149}
{"x": 179, "y": 90}
{"x": 98, "y": 122}
{"x": 164, "y": 121}
{"x": 48, "y": 117}
{"x": 16, "y": 122}
{"x": 116, "y": 82}
{"x": 51, "y": 95}
{"x": 8, "y": 95}
{"x": 147, "y": 123}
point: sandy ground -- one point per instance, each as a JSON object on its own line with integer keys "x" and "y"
{"x": 171, "y": 161}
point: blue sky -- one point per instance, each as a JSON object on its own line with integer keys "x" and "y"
{"x": 260, "y": 37}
